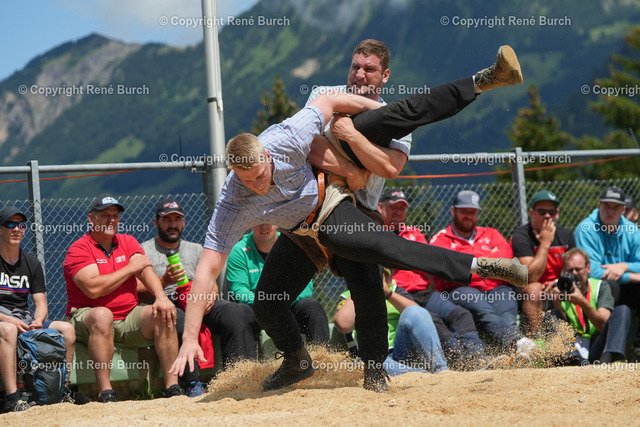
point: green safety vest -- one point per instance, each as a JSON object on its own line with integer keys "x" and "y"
{"x": 577, "y": 318}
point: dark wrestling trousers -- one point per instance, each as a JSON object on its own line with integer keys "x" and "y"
{"x": 359, "y": 249}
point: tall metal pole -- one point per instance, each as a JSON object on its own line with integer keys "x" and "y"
{"x": 216, "y": 171}
{"x": 519, "y": 188}
{"x": 36, "y": 211}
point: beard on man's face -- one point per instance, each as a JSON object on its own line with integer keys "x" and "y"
{"x": 170, "y": 235}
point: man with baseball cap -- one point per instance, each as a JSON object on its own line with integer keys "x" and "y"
{"x": 233, "y": 322}
{"x": 455, "y": 325}
{"x": 611, "y": 241}
{"x": 540, "y": 245}
{"x": 491, "y": 301}
{"x": 22, "y": 275}
{"x": 100, "y": 271}
{"x": 613, "y": 245}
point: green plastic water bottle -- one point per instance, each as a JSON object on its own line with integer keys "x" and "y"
{"x": 174, "y": 259}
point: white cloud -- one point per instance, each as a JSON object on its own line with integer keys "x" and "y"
{"x": 146, "y": 12}
{"x": 138, "y": 20}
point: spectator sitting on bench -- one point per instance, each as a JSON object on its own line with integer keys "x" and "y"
{"x": 20, "y": 275}
{"x": 100, "y": 271}
{"x": 224, "y": 318}
{"x": 243, "y": 271}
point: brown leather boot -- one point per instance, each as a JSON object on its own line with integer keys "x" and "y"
{"x": 504, "y": 72}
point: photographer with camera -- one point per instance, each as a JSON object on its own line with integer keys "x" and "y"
{"x": 587, "y": 305}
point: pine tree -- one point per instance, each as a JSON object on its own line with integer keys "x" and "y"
{"x": 536, "y": 130}
{"x": 621, "y": 109}
{"x": 277, "y": 107}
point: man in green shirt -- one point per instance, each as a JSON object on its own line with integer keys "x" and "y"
{"x": 588, "y": 305}
{"x": 244, "y": 266}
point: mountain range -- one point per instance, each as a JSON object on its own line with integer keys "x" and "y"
{"x": 97, "y": 100}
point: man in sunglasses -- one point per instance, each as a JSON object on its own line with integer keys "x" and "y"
{"x": 540, "y": 245}
{"x": 20, "y": 275}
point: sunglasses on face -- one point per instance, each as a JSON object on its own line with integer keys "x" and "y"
{"x": 22, "y": 225}
{"x": 543, "y": 212}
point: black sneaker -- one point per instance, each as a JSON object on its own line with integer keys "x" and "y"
{"x": 296, "y": 366}
{"x": 509, "y": 270}
{"x": 18, "y": 406}
{"x": 375, "y": 379}
{"x": 174, "y": 390}
{"x": 107, "y": 396}
{"x": 67, "y": 396}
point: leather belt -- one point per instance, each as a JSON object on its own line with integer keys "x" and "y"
{"x": 312, "y": 215}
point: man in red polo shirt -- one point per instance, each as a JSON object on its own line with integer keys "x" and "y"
{"x": 491, "y": 301}
{"x": 100, "y": 270}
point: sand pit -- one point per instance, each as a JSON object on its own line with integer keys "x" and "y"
{"x": 607, "y": 394}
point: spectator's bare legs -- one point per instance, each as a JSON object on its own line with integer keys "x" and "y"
{"x": 99, "y": 323}
{"x": 165, "y": 340}
{"x": 8, "y": 362}
{"x": 69, "y": 337}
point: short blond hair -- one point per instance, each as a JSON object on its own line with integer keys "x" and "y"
{"x": 245, "y": 151}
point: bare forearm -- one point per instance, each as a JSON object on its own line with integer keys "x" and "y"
{"x": 204, "y": 283}
{"x": 352, "y": 104}
{"x": 596, "y": 317}
{"x": 324, "y": 156}
{"x": 94, "y": 285}
{"x": 345, "y": 319}
{"x": 196, "y": 304}
{"x": 384, "y": 162}
{"x": 40, "y": 313}
{"x": 333, "y": 102}
{"x": 151, "y": 282}
{"x": 538, "y": 264}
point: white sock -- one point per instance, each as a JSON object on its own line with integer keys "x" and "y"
{"x": 476, "y": 89}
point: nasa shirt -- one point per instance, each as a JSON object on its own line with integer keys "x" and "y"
{"x": 20, "y": 279}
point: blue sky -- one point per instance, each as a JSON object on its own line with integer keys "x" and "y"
{"x": 29, "y": 28}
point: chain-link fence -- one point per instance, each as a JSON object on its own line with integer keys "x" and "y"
{"x": 430, "y": 211}
{"x": 65, "y": 220}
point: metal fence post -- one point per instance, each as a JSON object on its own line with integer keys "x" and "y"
{"x": 519, "y": 189}
{"x": 209, "y": 190}
{"x": 36, "y": 211}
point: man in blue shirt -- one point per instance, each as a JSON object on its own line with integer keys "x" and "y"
{"x": 613, "y": 245}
